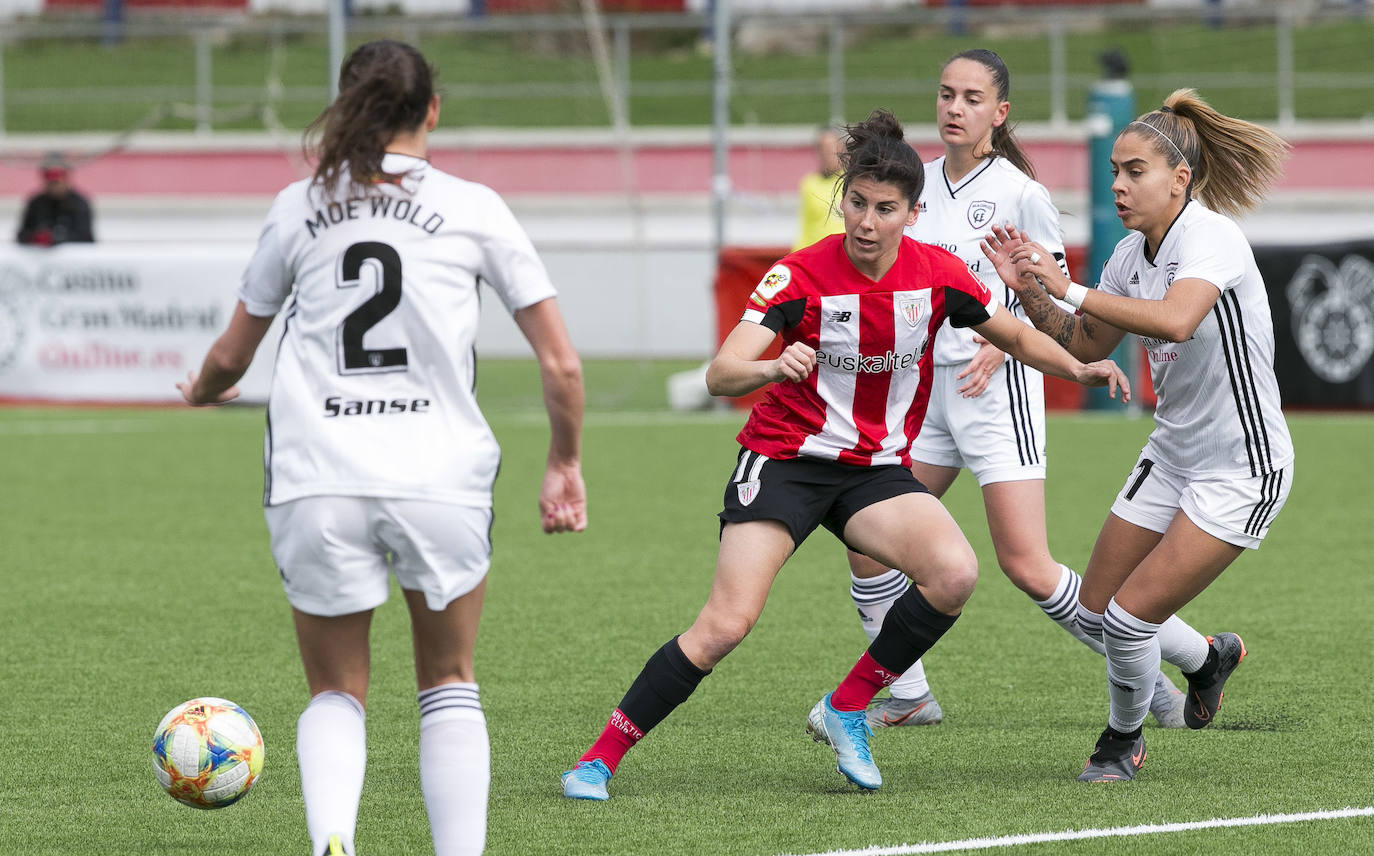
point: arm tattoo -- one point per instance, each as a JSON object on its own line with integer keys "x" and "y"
{"x": 1049, "y": 318}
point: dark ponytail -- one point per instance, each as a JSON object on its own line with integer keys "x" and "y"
{"x": 877, "y": 149}
{"x": 1004, "y": 142}
{"x": 384, "y": 89}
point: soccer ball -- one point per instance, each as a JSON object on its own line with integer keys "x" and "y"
{"x": 207, "y": 752}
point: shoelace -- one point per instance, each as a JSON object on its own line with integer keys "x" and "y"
{"x": 589, "y": 773}
{"x": 856, "y": 727}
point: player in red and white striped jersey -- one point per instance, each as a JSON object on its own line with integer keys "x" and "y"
{"x": 864, "y": 403}
{"x": 987, "y": 412}
{"x": 828, "y": 446}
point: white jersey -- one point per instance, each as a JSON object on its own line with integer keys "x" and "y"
{"x": 372, "y": 394}
{"x": 1218, "y": 410}
{"x": 956, "y": 217}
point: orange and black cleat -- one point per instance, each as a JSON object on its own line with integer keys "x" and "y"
{"x": 1115, "y": 758}
{"x": 1204, "y": 686}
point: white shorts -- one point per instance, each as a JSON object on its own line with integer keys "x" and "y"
{"x": 1237, "y": 510}
{"x": 999, "y": 436}
{"x": 336, "y": 554}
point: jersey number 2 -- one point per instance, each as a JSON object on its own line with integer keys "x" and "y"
{"x": 353, "y": 357}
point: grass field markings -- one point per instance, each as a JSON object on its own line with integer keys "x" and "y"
{"x": 82, "y": 426}
{"x": 1110, "y": 832}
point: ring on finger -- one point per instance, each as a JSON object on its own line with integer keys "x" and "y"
{"x": 1034, "y": 258}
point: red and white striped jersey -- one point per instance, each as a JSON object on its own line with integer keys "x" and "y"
{"x": 865, "y": 401}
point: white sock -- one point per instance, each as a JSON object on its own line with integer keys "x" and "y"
{"x": 1181, "y": 645}
{"x": 1132, "y": 664}
{"x": 1062, "y": 608}
{"x": 1090, "y": 623}
{"x": 874, "y": 597}
{"x": 455, "y": 767}
{"x": 331, "y": 744}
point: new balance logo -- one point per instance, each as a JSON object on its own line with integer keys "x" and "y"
{"x": 839, "y": 317}
{"x": 1135, "y": 278}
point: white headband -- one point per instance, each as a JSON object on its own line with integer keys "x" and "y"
{"x": 1166, "y": 139}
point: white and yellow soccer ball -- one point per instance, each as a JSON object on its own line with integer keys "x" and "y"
{"x": 207, "y": 752}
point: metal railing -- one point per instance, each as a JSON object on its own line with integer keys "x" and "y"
{"x": 1282, "y": 64}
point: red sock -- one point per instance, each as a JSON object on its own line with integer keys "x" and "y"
{"x": 861, "y": 684}
{"x": 615, "y": 740}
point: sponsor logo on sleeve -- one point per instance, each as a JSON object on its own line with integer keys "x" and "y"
{"x": 773, "y": 282}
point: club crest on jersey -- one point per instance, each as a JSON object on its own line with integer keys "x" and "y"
{"x": 774, "y": 281}
{"x": 912, "y": 310}
{"x": 980, "y": 213}
{"x": 748, "y": 491}
{"x": 1169, "y": 275}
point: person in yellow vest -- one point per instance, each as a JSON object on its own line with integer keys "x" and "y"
{"x": 817, "y": 214}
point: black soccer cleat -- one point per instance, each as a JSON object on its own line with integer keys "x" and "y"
{"x": 1204, "y": 686}
{"x": 1114, "y": 759}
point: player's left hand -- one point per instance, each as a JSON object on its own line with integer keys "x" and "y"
{"x": 188, "y": 392}
{"x": 998, "y": 246}
{"x": 1105, "y": 373}
{"x": 980, "y": 369}
{"x": 563, "y": 499}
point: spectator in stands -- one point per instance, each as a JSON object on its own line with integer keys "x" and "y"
{"x": 57, "y": 214}
{"x": 817, "y": 212}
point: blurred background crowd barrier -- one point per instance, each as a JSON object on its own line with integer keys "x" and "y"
{"x": 217, "y": 66}
{"x": 646, "y": 160}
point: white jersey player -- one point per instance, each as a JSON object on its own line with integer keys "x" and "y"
{"x": 378, "y": 459}
{"x": 987, "y": 410}
{"x": 1219, "y": 464}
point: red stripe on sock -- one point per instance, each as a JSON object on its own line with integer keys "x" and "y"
{"x": 615, "y": 740}
{"x": 861, "y": 684}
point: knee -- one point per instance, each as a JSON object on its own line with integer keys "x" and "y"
{"x": 1037, "y": 576}
{"x": 953, "y": 572}
{"x": 716, "y": 634}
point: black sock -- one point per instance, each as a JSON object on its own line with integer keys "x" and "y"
{"x": 1208, "y": 666}
{"x": 666, "y": 681}
{"x": 911, "y": 627}
{"x": 1123, "y": 735}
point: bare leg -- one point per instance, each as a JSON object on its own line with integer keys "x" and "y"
{"x": 331, "y": 739}
{"x": 751, "y": 554}
{"x": 455, "y": 753}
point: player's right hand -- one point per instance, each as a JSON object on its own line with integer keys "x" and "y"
{"x": 795, "y": 363}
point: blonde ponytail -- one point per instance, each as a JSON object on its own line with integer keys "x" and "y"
{"x": 1233, "y": 162}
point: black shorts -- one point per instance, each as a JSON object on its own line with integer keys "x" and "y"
{"x": 802, "y": 493}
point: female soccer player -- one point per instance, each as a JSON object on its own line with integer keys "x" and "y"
{"x": 378, "y": 459}
{"x": 1219, "y": 464}
{"x": 828, "y": 446}
{"x": 987, "y": 411}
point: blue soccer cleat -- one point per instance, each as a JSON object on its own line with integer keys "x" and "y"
{"x": 587, "y": 781}
{"x": 847, "y": 733}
